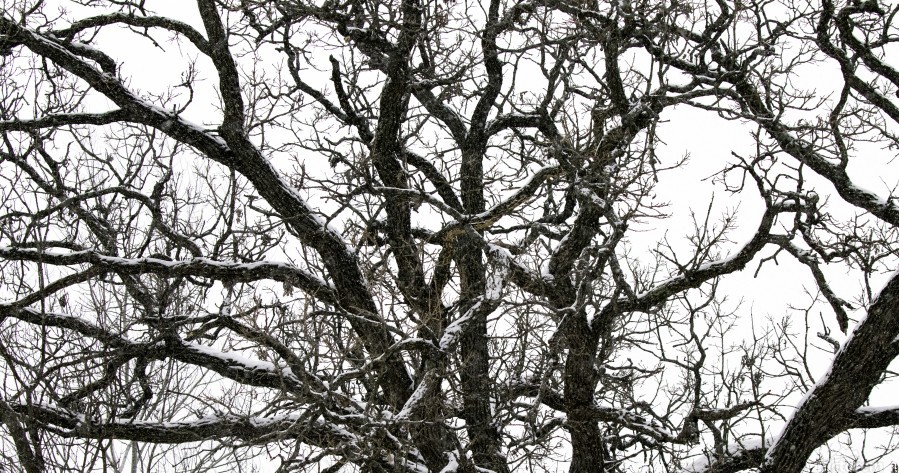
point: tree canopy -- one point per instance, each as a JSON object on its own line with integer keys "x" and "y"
{"x": 407, "y": 235}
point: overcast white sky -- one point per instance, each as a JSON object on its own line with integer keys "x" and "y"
{"x": 707, "y": 139}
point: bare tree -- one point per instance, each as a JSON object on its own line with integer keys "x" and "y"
{"x": 406, "y": 236}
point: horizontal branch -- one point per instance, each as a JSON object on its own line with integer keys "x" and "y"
{"x": 256, "y": 430}
{"x": 534, "y": 120}
{"x": 64, "y": 119}
{"x": 874, "y": 417}
{"x": 68, "y": 322}
{"x": 483, "y": 220}
{"x": 612, "y": 415}
{"x": 236, "y": 367}
{"x": 229, "y": 365}
{"x": 732, "y": 462}
{"x": 695, "y": 277}
{"x": 198, "y": 267}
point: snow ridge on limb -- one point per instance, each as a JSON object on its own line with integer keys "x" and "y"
{"x": 201, "y": 267}
{"x": 833, "y": 403}
{"x": 232, "y": 366}
{"x": 872, "y": 417}
{"x": 244, "y": 428}
{"x": 250, "y": 429}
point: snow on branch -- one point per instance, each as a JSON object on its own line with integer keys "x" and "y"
{"x": 230, "y": 365}
{"x": 870, "y": 417}
{"x": 201, "y": 267}
{"x": 65, "y": 321}
{"x": 308, "y": 429}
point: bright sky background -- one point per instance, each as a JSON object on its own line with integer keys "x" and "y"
{"x": 707, "y": 139}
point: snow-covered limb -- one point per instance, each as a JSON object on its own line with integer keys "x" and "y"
{"x": 833, "y": 404}
{"x": 530, "y": 281}
{"x": 199, "y": 267}
{"x": 309, "y": 429}
{"x": 452, "y": 464}
{"x": 497, "y": 274}
{"x": 65, "y": 321}
{"x": 237, "y": 366}
{"x": 313, "y": 431}
{"x": 426, "y": 385}
{"x": 870, "y": 417}
{"x": 451, "y": 335}
{"x": 453, "y": 332}
{"x": 731, "y": 462}
{"x": 230, "y": 365}
{"x": 64, "y": 119}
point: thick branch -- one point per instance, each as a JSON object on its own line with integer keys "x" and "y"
{"x": 253, "y": 430}
{"x": 831, "y": 406}
{"x": 201, "y": 267}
